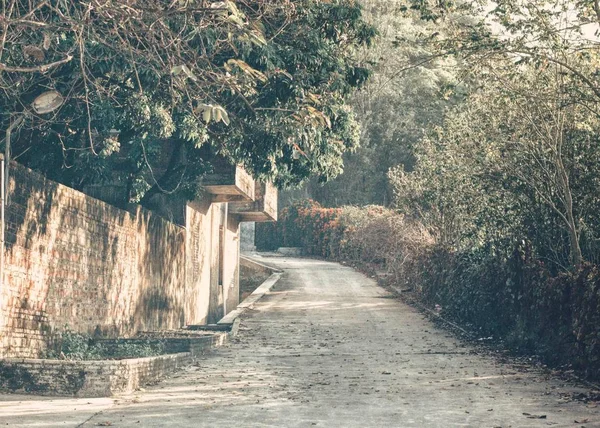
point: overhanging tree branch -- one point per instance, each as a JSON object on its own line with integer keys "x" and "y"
{"x": 38, "y": 69}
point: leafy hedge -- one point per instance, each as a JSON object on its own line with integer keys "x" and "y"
{"x": 519, "y": 301}
{"x": 515, "y": 299}
{"x": 304, "y": 224}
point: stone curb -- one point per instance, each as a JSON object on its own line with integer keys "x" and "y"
{"x": 249, "y": 259}
{"x": 232, "y": 318}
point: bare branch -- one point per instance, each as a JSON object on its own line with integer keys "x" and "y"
{"x": 38, "y": 69}
{"x": 595, "y": 89}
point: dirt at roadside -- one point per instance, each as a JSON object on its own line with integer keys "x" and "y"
{"x": 250, "y": 281}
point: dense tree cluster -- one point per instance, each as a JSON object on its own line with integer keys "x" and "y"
{"x": 151, "y": 89}
{"x": 412, "y": 87}
{"x": 518, "y": 158}
{"x": 481, "y": 122}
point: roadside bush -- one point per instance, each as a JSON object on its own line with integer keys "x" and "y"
{"x": 69, "y": 345}
{"x": 514, "y": 298}
{"x": 372, "y": 234}
{"x": 304, "y": 224}
{"x": 518, "y": 301}
{"x": 319, "y": 229}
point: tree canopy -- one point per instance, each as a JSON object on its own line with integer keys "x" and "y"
{"x": 517, "y": 158}
{"x": 153, "y": 89}
{"x": 414, "y": 85}
{"x": 485, "y": 114}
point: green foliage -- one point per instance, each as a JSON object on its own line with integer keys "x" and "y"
{"x": 411, "y": 90}
{"x": 72, "y": 346}
{"x": 75, "y": 346}
{"x": 517, "y": 161}
{"x": 181, "y": 82}
{"x": 503, "y": 156}
{"x": 519, "y": 301}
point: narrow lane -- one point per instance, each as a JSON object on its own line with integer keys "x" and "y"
{"x": 328, "y": 347}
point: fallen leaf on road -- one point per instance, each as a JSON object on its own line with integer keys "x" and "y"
{"x": 530, "y": 416}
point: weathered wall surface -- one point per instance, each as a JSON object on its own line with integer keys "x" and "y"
{"x": 231, "y": 277}
{"x": 212, "y": 262}
{"x": 75, "y": 262}
{"x": 200, "y": 259}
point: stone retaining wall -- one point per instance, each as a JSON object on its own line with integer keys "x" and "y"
{"x": 98, "y": 378}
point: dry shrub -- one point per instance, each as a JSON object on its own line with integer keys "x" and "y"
{"x": 382, "y": 237}
{"x": 371, "y": 234}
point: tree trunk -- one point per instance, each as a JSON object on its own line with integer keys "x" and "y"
{"x": 173, "y": 168}
{"x": 575, "y": 254}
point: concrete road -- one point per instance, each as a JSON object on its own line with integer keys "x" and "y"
{"x": 329, "y": 348}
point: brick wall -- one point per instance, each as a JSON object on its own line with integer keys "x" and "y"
{"x": 75, "y": 262}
